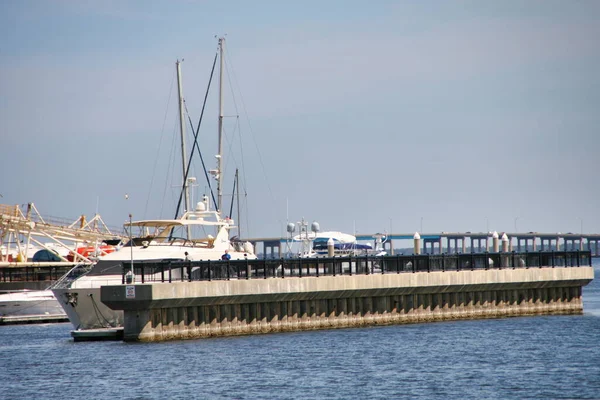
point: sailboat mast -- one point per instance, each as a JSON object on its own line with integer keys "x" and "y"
{"x": 186, "y": 191}
{"x": 237, "y": 185}
{"x": 220, "y": 155}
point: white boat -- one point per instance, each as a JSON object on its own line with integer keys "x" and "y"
{"x": 332, "y": 243}
{"x": 200, "y": 234}
{"x": 30, "y": 305}
{"x": 22, "y": 306}
{"x": 158, "y": 241}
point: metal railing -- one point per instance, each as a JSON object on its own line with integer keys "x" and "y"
{"x": 173, "y": 271}
{"x": 33, "y": 274}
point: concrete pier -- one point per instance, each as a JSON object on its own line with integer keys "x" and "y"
{"x": 184, "y": 310}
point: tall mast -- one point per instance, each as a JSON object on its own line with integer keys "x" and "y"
{"x": 186, "y": 191}
{"x": 220, "y": 155}
{"x": 239, "y": 219}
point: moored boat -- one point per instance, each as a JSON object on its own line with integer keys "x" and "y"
{"x": 330, "y": 243}
{"x": 158, "y": 241}
{"x": 199, "y": 234}
{"x": 30, "y": 305}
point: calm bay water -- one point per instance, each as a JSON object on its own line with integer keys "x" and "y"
{"x": 552, "y": 357}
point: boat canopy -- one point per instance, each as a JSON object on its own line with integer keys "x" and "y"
{"x": 336, "y": 236}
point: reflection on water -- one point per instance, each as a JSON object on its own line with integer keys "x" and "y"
{"x": 528, "y": 357}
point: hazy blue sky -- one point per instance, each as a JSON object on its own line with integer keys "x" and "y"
{"x": 360, "y": 115}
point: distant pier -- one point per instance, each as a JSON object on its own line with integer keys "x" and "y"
{"x": 222, "y": 298}
{"x": 462, "y": 242}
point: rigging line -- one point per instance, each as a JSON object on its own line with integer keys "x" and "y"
{"x": 232, "y": 198}
{"x": 230, "y": 145}
{"x": 162, "y": 131}
{"x": 251, "y": 132}
{"x": 199, "y": 153}
{"x": 244, "y": 180}
{"x": 231, "y": 85}
{"x": 237, "y": 127}
{"x": 195, "y": 145}
{"x": 171, "y": 158}
{"x": 230, "y": 153}
{"x": 244, "y": 183}
{"x": 237, "y": 113}
{"x": 242, "y": 154}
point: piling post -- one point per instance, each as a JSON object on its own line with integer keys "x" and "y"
{"x": 417, "y": 246}
{"x": 505, "y": 249}
{"x": 495, "y": 242}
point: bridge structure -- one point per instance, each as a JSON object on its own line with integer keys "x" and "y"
{"x": 460, "y": 242}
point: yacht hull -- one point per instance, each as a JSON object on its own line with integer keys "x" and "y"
{"x": 34, "y": 304}
{"x": 85, "y": 310}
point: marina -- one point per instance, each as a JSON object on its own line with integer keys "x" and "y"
{"x": 187, "y": 277}
{"x": 299, "y": 200}
{"x": 36, "y": 253}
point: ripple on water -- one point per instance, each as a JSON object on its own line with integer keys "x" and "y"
{"x": 511, "y": 358}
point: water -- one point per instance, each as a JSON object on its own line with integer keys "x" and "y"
{"x": 552, "y": 357}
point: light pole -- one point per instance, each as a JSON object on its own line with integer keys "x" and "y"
{"x": 131, "y": 278}
{"x": 131, "y": 247}
{"x": 580, "y": 225}
{"x": 516, "y": 218}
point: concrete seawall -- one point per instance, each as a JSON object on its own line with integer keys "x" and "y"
{"x": 182, "y": 310}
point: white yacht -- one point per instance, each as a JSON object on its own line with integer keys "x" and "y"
{"x": 30, "y": 305}
{"x": 158, "y": 240}
{"x": 330, "y": 243}
{"x": 200, "y": 234}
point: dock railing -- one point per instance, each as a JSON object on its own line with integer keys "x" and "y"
{"x": 33, "y": 273}
{"x": 184, "y": 271}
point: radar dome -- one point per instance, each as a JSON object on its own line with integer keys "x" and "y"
{"x": 315, "y": 227}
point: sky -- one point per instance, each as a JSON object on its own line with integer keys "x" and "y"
{"x": 367, "y": 117}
